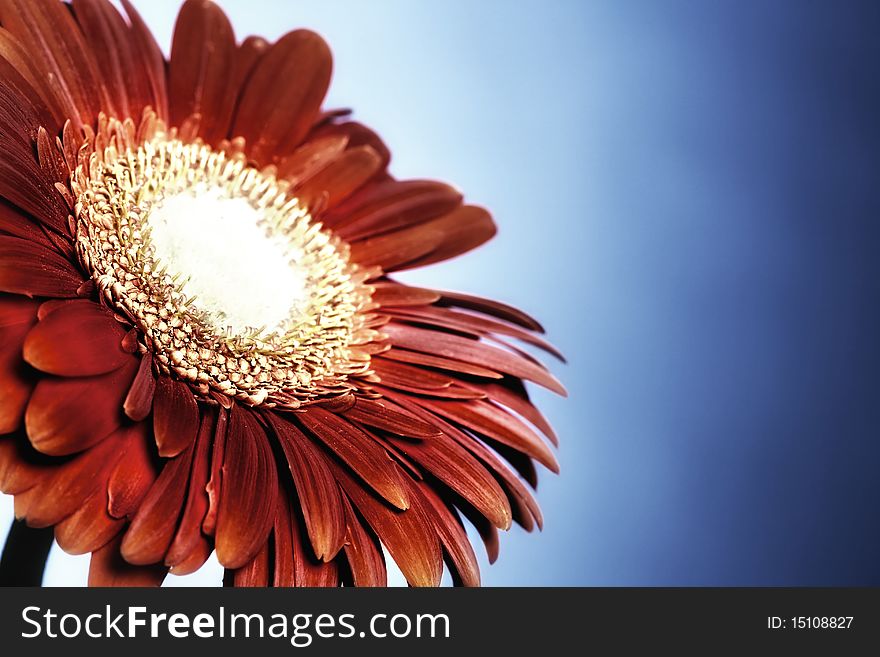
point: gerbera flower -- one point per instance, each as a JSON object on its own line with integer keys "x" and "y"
{"x": 202, "y": 345}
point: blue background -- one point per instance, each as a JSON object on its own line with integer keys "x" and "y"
{"x": 687, "y": 195}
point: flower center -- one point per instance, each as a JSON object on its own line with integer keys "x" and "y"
{"x": 242, "y": 277}
{"x": 231, "y": 284}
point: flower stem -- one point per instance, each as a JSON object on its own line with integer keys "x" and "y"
{"x": 24, "y": 556}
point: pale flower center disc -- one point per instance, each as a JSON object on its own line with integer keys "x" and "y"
{"x": 234, "y": 288}
{"x": 239, "y": 275}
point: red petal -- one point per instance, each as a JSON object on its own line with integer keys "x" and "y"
{"x": 29, "y": 269}
{"x": 380, "y": 415}
{"x": 209, "y": 525}
{"x": 470, "y": 323}
{"x": 311, "y": 157}
{"x": 65, "y": 416}
{"x": 457, "y": 232}
{"x": 202, "y": 56}
{"x": 90, "y": 527}
{"x": 80, "y": 338}
{"x": 489, "y": 420}
{"x": 285, "y": 572}
{"x": 395, "y": 294}
{"x": 59, "y": 52}
{"x": 341, "y": 177}
{"x": 255, "y": 572}
{"x": 189, "y": 542}
{"x": 150, "y": 61}
{"x": 283, "y": 94}
{"x": 139, "y": 401}
{"x": 152, "y": 527}
{"x": 363, "y": 552}
{"x": 308, "y": 571}
{"x": 175, "y": 416}
{"x": 356, "y": 134}
{"x": 135, "y": 474}
{"x": 108, "y": 568}
{"x": 454, "y": 466}
{"x": 316, "y": 487}
{"x": 465, "y": 569}
{"x": 390, "y": 206}
{"x": 360, "y": 451}
{"x": 17, "y": 315}
{"x": 247, "y": 505}
{"x": 409, "y": 535}
{"x": 70, "y": 484}
{"x": 490, "y": 307}
{"x": 470, "y": 351}
{"x": 438, "y": 362}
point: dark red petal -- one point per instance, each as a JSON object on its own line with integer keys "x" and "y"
{"x": 356, "y": 134}
{"x": 17, "y": 315}
{"x": 150, "y": 61}
{"x": 316, "y": 487}
{"x": 33, "y": 270}
{"x": 454, "y": 466}
{"x": 175, "y": 416}
{"x": 363, "y": 552}
{"x": 512, "y": 393}
{"x": 139, "y": 401}
{"x": 189, "y": 543}
{"x": 470, "y": 351}
{"x": 465, "y": 569}
{"x": 283, "y": 94}
{"x": 209, "y": 525}
{"x": 247, "y": 505}
{"x": 380, "y": 415}
{"x": 282, "y": 536}
{"x": 490, "y": 307}
{"x": 70, "y": 484}
{"x": 59, "y": 51}
{"x": 340, "y": 178}
{"x": 409, "y": 535}
{"x": 395, "y": 294}
{"x": 80, "y": 338}
{"x": 494, "y": 422}
{"x": 391, "y": 205}
{"x": 21, "y": 466}
{"x": 108, "y": 568}
{"x": 307, "y": 570}
{"x": 472, "y": 324}
{"x": 152, "y": 527}
{"x": 445, "y": 237}
{"x": 360, "y": 451}
{"x": 90, "y": 527}
{"x": 65, "y": 416}
{"x": 202, "y": 57}
{"x": 438, "y": 362}
{"x": 134, "y": 475}
{"x": 256, "y": 571}
{"x": 310, "y": 158}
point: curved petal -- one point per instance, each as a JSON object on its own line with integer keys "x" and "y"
{"x": 33, "y": 270}
{"x": 65, "y": 416}
{"x": 202, "y": 56}
{"x": 81, "y": 338}
{"x": 359, "y": 451}
{"x": 283, "y": 95}
{"x": 17, "y": 316}
{"x": 315, "y": 486}
{"x": 247, "y": 505}
{"x": 175, "y": 416}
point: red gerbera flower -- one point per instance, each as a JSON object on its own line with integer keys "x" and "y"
{"x": 201, "y": 347}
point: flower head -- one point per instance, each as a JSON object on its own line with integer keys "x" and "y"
{"x": 202, "y": 346}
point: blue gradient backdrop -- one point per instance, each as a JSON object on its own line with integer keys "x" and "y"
{"x": 687, "y": 195}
